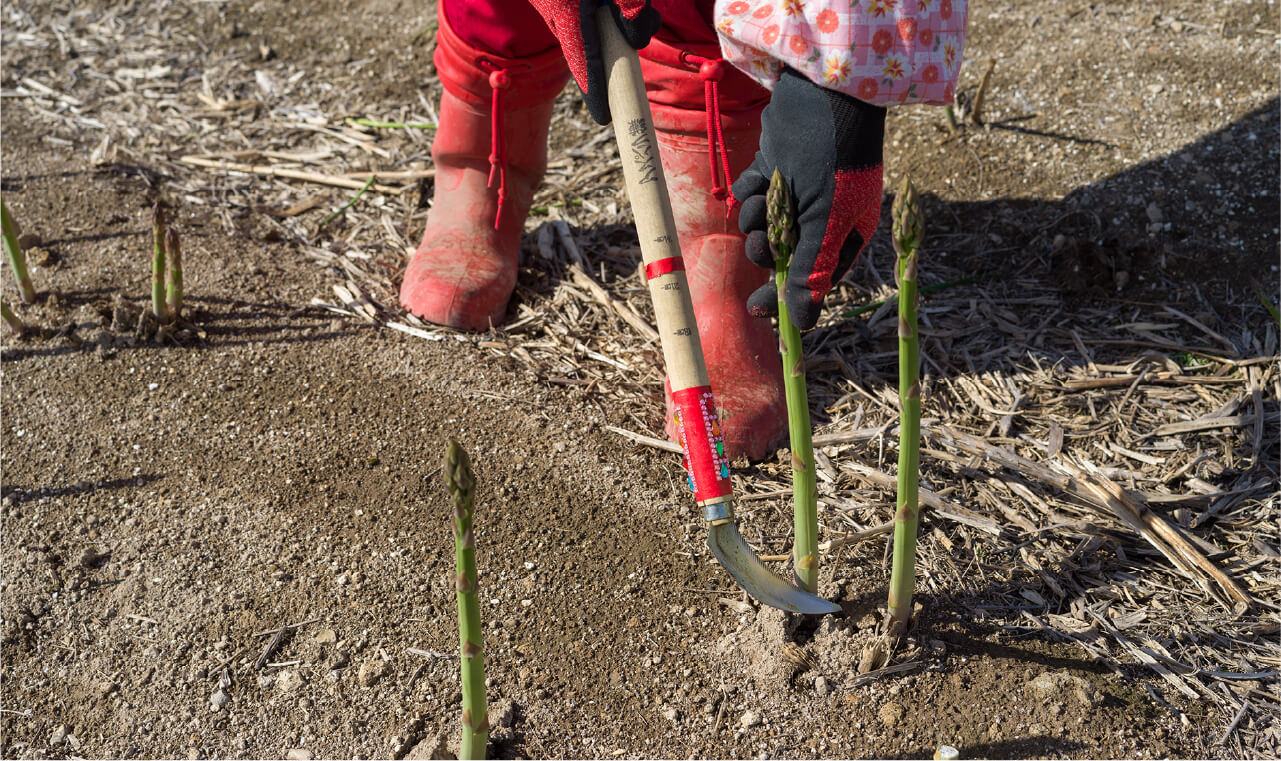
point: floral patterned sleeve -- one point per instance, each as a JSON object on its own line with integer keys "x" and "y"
{"x": 885, "y": 52}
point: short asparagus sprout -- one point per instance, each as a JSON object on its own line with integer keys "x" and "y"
{"x": 908, "y": 230}
{"x": 173, "y": 291}
{"x": 782, "y": 233}
{"x": 17, "y": 259}
{"x": 15, "y": 322}
{"x": 462, "y": 492}
{"x": 158, "y": 306}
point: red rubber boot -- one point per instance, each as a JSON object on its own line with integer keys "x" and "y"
{"x": 741, "y": 351}
{"x": 464, "y": 270}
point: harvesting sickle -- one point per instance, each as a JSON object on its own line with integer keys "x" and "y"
{"x": 696, "y": 419}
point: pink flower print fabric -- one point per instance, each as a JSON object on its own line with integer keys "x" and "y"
{"x": 885, "y": 52}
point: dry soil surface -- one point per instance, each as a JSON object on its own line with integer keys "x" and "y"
{"x": 166, "y": 508}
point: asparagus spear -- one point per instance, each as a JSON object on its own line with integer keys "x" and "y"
{"x": 158, "y": 307}
{"x": 17, "y": 259}
{"x": 173, "y": 293}
{"x": 461, "y": 484}
{"x": 15, "y": 322}
{"x": 908, "y": 230}
{"x": 781, "y": 219}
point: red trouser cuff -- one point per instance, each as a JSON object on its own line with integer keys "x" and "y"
{"x": 464, "y": 71}
{"x": 676, "y": 95}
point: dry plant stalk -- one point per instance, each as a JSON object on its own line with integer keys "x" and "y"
{"x": 17, "y": 259}
{"x": 907, "y": 233}
{"x": 158, "y": 306}
{"x": 15, "y": 322}
{"x": 173, "y": 292}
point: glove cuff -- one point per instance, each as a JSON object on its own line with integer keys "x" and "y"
{"x": 465, "y": 70}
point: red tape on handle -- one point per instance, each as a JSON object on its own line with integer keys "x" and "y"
{"x": 700, "y": 438}
{"x": 664, "y": 267}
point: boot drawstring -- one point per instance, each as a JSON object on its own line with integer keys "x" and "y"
{"x": 499, "y": 80}
{"x": 712, "y": 70}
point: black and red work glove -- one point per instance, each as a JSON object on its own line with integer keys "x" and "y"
{"x": 574, "y": 24}
{"x": 828, "y": 147}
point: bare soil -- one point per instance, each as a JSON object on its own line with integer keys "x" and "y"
{"x": 167, "y": 507}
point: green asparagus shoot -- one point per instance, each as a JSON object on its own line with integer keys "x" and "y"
{"x": 782, "y": 233}
{"x": 158, "y": 306}
{"x": 17, "y": 259}
{"x": 462, "y": 492}
{"x": 908, "y": 230}
{"x": 376, "y": 124}
{"x": 348, "y": 203}
{"x": 173, "y": 292}
{"x": 1267, "y": 304}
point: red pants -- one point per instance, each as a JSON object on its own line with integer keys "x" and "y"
{"x": 513, "y": 29}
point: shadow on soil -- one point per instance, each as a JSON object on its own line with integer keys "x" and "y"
{"x": 1024, "y": 747}
{"x": 18, "y": 494}
{"x": 213, "y": 323}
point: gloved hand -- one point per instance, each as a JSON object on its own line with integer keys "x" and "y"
{"x": 828, "y": 147}
{"x": 574, "y": 24}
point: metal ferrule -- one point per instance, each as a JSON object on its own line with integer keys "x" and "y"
{"x": 718, "y": 511}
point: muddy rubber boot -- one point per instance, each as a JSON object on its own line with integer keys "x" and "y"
{"x": 490, "y": 151}
{"x": 741, "y": 351}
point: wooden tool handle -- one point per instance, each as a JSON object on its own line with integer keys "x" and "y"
{"x": 647, "y": 189}
{"x": 665, "y": 270}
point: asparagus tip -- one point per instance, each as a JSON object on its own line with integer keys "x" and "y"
{"x": 909, "y": 223}
{"x": 781, "y": 225}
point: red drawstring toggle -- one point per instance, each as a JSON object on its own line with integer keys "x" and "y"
{"x": 499, "y": 80}
{"x": 712, "y": 70}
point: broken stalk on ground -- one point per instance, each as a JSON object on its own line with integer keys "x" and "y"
{"x": 908, "y": 230}
{"x": 173, "y": 292}
{"x": 462, "y": 492}
{"x": 782, "y": 240}
{"x": 17, "y": 260}
{"x": 976, "y": 114}
{"x": 15, "y": 322}
{"x": 158, "y": 306}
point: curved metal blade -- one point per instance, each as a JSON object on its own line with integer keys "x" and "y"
{"x": 758, "y": 581}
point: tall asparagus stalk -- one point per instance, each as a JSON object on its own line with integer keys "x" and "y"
{"x": 17, "y": 259}
{"x": 462, "y": 490}
{"x": 908, "y": 230}
{"x": 158, "y": 307}
{"x": 781, "y": 219}
{"x": 173, "y": 292}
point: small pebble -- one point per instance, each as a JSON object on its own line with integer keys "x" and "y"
{"x": 288, "y": 680}
{"x": 749, "y": 719}
{"x": 298, "y": 754}
{"x": 890, "y": 714}
{"x": 371, "y": 671}
{"x": 219, "y": 699}
{"x": 59, "y": 734}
